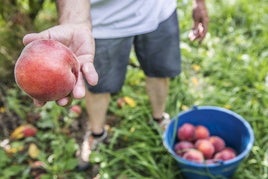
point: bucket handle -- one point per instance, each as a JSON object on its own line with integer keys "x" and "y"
{"x": 175, "y": 130}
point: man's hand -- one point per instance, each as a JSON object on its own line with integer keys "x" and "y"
{"x": 79, "y": 39}
{"x": 200, "y": 17}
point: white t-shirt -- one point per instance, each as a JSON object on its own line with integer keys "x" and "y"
{"x": 122, "y": 18}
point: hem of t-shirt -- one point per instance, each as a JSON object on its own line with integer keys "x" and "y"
{"x": 167, "y": 12}
{"x": 101, "y": 33}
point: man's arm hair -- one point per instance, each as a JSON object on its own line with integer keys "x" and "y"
{"x": 73, "y": 11}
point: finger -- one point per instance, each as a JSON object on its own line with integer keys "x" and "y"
{"x": 38, "y": 103}
{"x": 90, "y": 73}
{"x": 79, "y": 88}
{"x": 35, "y": 36}
{"x": 204, "y": 27}
{"x": 193, "y": 34}
{"x": 198, "y": 34}
{"x": 60, "y": 33}
{"x": 202, "y": 32}
{"x": 64, "y": 101}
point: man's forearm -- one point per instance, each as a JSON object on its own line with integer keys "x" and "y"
{"x": 196, "y": 2}
{"x": 73, "y": 11}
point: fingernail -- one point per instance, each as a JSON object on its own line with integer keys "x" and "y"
{"x": 195, "y": 32}
{"x": 63, "y": 102}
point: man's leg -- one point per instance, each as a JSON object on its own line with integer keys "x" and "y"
{"x": 97, "y": 105}
{"x": 157, "y": 89}
{"x": 159, "y": 55}
{"x": 110, "y": 55}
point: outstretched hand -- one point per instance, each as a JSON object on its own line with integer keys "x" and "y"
{"x": 200, "y": 18}
{"x": 79, "y": 39}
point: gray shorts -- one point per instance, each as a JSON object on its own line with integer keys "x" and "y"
{"x": 158, "y": 53}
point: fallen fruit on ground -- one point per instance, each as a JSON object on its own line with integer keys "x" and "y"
{"x": 25, "y": 130}
{"x": 75, "y": 110}
{"x": 46, "y": 70}
{"x": 33, "y": 151}
{"x": 122, "y": 101}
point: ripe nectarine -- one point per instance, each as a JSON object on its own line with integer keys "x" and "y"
{"x": 46, "y": 70}
{"x": 218, "y": 143}
{"x": 182, "y": 146}
{"x": 186, "y": 132}
{"x": 206, "y": 147}
{"x": 201, "y": 132}
{"x": 225, "y": 154}
{"x": 194, "y": 156}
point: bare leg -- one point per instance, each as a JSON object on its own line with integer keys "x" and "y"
{"x": 157, "y": 89}
{"x": 97, "y": 105}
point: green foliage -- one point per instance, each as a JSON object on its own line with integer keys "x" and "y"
{"x": 4, "y": 159}
{"x": 57, "y": 149}
{"x": 17, "y": 18}
{"x": 10, "y": 168}
{"x": 61, "y": 156}
{"x": 136, "y": 149}
{"x": 16, "y": 104}
{"x": 229, "y": 69}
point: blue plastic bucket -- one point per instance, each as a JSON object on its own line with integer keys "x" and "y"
{"x": 234, "y": 129}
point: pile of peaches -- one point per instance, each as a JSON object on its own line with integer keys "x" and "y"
{"x": 196, "y": 144}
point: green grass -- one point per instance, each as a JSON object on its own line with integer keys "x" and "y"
{"x": 229, "y": 69}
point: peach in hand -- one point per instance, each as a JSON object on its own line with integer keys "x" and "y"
{"x": 46, "y": 70}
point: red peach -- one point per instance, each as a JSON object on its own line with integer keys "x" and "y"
{"x": 29, "y": 131}
{"x": 218, "y": 143}
{"x": 186, "y": 132}
{"x": 182, "y": 146}
{"x": 46, "y": 70}
{"x": 76, "y": 109}
{"x": 226, "y": 154}
{"x": 206, "y": 147}
{"x": 194, "y": 156}
{"x": 230, "y": 150}
{"x": 201, "y": 132}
